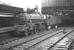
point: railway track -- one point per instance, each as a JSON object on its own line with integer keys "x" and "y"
{"x": 22, "y": 40}
{"x": 2, "y": 42}
{"x": 48, "y": 43}
{"x": 64, "y": 44}
{"x": 31, "y": 44}
{"x": 28, "y": 45}
{"x": 71, "y": 47}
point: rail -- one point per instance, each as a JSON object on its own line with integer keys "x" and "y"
{"x": 18, "y": 42}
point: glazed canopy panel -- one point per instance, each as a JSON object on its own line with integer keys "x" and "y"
{"x": 53, "y": 3}
{"x": 50, "y": 6}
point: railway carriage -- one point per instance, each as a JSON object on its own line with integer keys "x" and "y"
{"x": 8, "y": 18}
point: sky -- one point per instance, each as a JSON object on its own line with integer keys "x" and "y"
{"x": 23, "y": 3}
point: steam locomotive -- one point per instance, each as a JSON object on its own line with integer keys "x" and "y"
{"x": 14, "y": 20}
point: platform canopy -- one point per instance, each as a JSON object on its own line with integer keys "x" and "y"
{"x": 49, "y": 6}
{"x": 49, "y": 10}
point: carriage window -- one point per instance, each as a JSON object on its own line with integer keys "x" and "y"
{"x": 6, "y": 15}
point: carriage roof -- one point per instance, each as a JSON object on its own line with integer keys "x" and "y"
{"x": 10, "y": 9}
